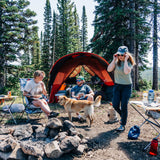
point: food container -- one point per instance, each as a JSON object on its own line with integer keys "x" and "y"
{"x": 9, "y": 93}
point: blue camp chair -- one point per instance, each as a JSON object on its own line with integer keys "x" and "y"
{"x": 29, "y": 107}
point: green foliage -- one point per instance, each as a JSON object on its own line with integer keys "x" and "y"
{"x": 84, "y": 37}
{"x": 74, "y": 32}
{"x": 148, "y": 74}
{"x": 112, "y": 28}
{"x": 144, "y": 85}
{"x": 46, "y": 48}
{"x": 13, "y": 86}
{"x": 16, "y": 26}
{"x": 134, "y": 94}
{"x": 68, "y": 26}
{"x": 13, "y": 76}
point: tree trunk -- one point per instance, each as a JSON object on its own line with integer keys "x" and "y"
{"x": 132, "y": 40}
{"x": 155, "y": 51}
{"x": 54, "y": 42}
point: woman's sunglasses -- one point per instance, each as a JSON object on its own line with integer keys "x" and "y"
{"x": 120, "y": 54}
{"x": 78, "y": 80}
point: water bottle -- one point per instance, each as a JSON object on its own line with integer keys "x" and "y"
{"x": 145, "y": 97}
{"x": 150, "y": 96}
{"x": 153, "y": 147}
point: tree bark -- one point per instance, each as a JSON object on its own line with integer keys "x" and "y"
{"x": 132, "y": 40}
{"x": 155, "y": 50}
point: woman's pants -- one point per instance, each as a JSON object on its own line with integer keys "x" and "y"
{"x": 121, "y": 95}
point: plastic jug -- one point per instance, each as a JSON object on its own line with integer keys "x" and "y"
{"x": 153, "y": 147}
{"x": 150, "y": 96}
{"x": 145, "y": 97}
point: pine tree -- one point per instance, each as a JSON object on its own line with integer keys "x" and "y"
{"x": 68, "y": 29}
{"x": 35, "y": 51}
{"x": 63, "y": 25}
{"x": 122, "y": 23}
{"x": 53, "y": 38}
{"x": 15, "y": 19}
{"x": 2, "y": 54}
{"x": 96, "y": 40}
{"x": 84, "y": 30}
{"x": 74, "y": 38}
{"x": 41, "y": 42}
{"x": 46, "y": 49}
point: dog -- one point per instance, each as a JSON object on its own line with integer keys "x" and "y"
{"x": 112, "y": 115}
{"x": 74, "y": 106}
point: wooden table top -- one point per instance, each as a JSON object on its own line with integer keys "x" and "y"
{"x": 150, "y": 107}
{"x": 7, "y": 97}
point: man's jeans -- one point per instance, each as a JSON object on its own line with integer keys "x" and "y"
{"x": 121, "y": 95}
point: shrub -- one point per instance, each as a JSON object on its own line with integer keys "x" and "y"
{"x": 144, "y": 84}
{"x": 134, "y": 94}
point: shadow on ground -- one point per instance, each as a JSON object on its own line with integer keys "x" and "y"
{"x": 102, "y": 140}
{"x": 134, "y": 150}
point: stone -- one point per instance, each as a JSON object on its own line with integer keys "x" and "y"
{"x": 3, "y": 137}
{"x": 77, "y": 137}
{"x": 17, "y": 154}
{"x": 12, "y": 142}
{"x": 72, "y": 131}
{"x": 67, "y": 125}
{"x": 53, "y": 150}
{"x": 62, "y": 135}
{"x": 80, "y": 149}
{"x": 69, "y": 143}
{"x": 4, "y": 156}
{"x": 5, "y": 147}
{"x": 4, "y": 130}
{"x": 40, "y": 132}
{"x": 38, "y": 142}
{"x": 53, "y": 133}
{"x": 84, "y": 141}
{"x": 34, "y": 158}
{"x": 30, "y": 149}
{"x": 23, "y": 131}
{"x": 54, "y": 123}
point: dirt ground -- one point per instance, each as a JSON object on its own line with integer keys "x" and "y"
{"x": 105, "y": 143}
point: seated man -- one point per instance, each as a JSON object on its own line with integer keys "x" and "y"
{"x": 82, "y": 92}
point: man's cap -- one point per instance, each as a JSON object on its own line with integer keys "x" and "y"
{"x": 81, "y": 78}
{"x": 122, "y": 50}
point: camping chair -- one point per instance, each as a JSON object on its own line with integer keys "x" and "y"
{"x": 29, "y": 107}
{"x": 152, "y": 113}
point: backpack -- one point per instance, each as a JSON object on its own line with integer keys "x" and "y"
{"x": 134, "y": 132}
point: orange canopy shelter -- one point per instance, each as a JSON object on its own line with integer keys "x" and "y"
{"x": 70, "y": 66}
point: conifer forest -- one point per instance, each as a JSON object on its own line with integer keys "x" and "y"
{"x": 133, "y": 23}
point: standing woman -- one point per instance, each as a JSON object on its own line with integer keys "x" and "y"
{"x": 122, "y": 64}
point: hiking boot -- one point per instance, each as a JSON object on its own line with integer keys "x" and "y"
{"x": 53, "y": 114}
{"x": 121, "y": 128}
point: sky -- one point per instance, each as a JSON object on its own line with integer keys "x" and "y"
{"x": 38, "y": 7}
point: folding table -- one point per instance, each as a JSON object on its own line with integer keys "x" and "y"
{"x": 152, "y": 112}
{"x": 8, "y": 110}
